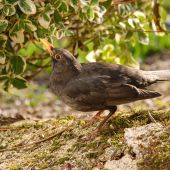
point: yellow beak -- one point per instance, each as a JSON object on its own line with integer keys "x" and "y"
{"x": 49, "y": 47}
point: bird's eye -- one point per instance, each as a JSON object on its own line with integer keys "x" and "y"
{"x": 57, "y": 57}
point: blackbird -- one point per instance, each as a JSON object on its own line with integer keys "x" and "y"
{"x": 99, "y": 86}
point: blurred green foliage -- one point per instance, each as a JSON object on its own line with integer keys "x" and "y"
{"x": 156, "y": 44}
{"x": 94, "y": 30}
{"x": 167, "y": 5}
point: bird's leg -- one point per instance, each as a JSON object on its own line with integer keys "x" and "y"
{"x": 94, "y": 119}
{"x": 97, "y": 116}
{"x": 99, "y": 128}
{"x": 112, "y": 111}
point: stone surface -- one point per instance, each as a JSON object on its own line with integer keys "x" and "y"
{"x": 129, "y": 142}
{"x": 125, "y": 163}
{"x": 141, "y": 137}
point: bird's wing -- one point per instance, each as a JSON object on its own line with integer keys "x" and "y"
{"x": 118, "y": 73}
{"x": 103, "y": 90}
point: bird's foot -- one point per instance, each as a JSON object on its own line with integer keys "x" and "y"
{"x": 94, "y": 119}
{"x": 91, "y": 136}
{"x": 95, "y": 133}
{"x": 91, "y": 122}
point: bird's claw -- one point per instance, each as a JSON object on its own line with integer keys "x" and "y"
{"x": 90, "y": 136}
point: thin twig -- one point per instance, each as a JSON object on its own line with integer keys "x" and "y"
{"x": 39, "y": 66}
{"x": 6, "y": 129}
{"x": 29, "y": 77}
{"x": 36, "y": 142}
{"x": 150, "y": 31}
{"x": 151, "y": 117}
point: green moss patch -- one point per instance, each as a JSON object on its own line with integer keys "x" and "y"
{"x": 68, "y": 146}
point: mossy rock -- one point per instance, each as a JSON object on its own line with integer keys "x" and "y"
{"x": 19, "y": 148}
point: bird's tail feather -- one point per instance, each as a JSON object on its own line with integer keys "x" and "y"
{"x": 160, "y": 75}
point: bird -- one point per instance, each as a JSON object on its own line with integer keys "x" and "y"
{"x": 99, "y": 86}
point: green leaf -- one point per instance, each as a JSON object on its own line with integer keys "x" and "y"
{"x": 60, "y": 34}
{"x": 9, "y": 10}
{"x": 49, "y": 9}
{"x": 90, "y": 14}
{"x": 129, "y": 34}
{"x": 57, "y": 17}
{"x": 94, "y": 2}
{"x": 63, "y": 7}
{"x": 42, "y": 32}
{"x": 131, "y": 22}
{"x": 19, "y": 82}
{"x": 3, "y": 25}
{"x": 27, "y": 6}
{"x": 140, "y": 15}
{"x": 163, "y": 13}
{"x": 12, "y": 1}
{"x": 18, "y": 36}
{"x": 3, "y": 77}
{"x": 29, "y": 49}
{"x": 28, "y": 26}
{"x": 2, "y": 57}
{"x": 82, "y": 15}
{"x": 16, "y": 27}
{"x": 74, "y": 2}
{"x": 17, "y": 32}
{"x": 127, "y": 59}
{"x": 143, "y": 38}
{"x": 84, "y": 2}
{"x": 3, "y": 40}
{"x": 107, "y": 3}
{"x": 44, "y": 20}
{"x": 18, "y": 64}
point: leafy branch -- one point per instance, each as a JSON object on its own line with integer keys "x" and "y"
{"x": 84, "y": 27}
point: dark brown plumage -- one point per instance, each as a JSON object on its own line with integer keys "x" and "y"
{"x": 100, "y": 86}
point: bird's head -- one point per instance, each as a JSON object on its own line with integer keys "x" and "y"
{"x": 62, "y": 59}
